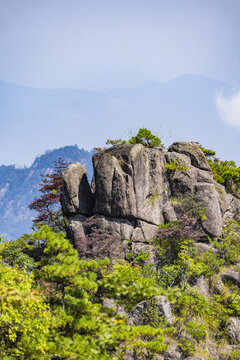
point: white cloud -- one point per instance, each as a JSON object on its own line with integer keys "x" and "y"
{"x": 229, "y": 109}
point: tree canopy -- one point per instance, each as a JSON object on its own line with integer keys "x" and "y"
{"x": 48, "y": 204}
{"x": 143, "y": 137}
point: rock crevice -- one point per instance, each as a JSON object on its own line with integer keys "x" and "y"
{"x": 133, "y": 191}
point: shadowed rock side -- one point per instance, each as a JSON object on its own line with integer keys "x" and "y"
{"x": 133, "y": 192}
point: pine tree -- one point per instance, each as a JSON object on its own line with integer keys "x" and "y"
{"x": 48, "y": 204}
{"x": 25, "y": 319}
{"x": 82, "y": 329}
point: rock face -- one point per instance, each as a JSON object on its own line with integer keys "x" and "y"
{"x": 232, "y": 276}
{"x": 160, "y": 304}
{"x": 126, "y": 177}
{"x": 233, "y": 329}
{"x": 133, "y": 192}
{"x": 173, "y": 353}
{"x": 77, "y": 197}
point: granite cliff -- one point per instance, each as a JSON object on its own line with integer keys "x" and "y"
{"x": 134, "y": 189}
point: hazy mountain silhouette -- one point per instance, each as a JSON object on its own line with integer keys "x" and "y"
{"x": 18, "y": 188}
{"x": 184, "y": 106}
{"x": 183, "y": 109}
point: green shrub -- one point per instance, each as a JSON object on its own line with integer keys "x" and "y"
{"x": 126, "y": 284}
{"x": 224, "y": 172}
{"x": 115, "y": 142}
{"x": 233, "y": 304}
{"x": 174, "y": 166}
{"x": 197, "y": 330}
{"x": 152, "y": 199}
{"x": 146, "y": 138}
{"x": 143, "y": 137}
{"x": 235, "y": 355}
{"x": 228, "y": 245}
{"x": 169, "y": 276}
{"x": 189, "y": 205}
{"x": 186, "y": 346}
{"x": 152, "y": 317}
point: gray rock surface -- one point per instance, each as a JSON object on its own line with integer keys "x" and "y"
{"x": 206, "y": 193}
{"x": 203, "y": 287}
{"x": 140, "y": 247}
{"x": 173, "y": 353}
{"x": 132, "y": 193}
{"x": 193, "y": 151}
{"x": 131, "y": 355}
{"x": 203, "y": 247}
{"x": 76, "y": 231}
{"x": 140, "y": 313}
{"x": 232, "y": 276}
{"x": 129, "y": 182}
{"x": 76, "y": 196}
{"x": 233, "y": 330}
{"x": 164, "y": 307}
{"x": 111, "y": 304}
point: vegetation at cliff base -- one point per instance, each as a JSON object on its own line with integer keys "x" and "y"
{"x": 52, "y": 308}
{"x": 52, "y": 302}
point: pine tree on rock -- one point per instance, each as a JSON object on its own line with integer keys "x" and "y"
{"x": 48, "y": 204}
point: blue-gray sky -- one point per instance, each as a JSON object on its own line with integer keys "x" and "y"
{"x": 104, "y": 44}
{"x": 107, "y": 44}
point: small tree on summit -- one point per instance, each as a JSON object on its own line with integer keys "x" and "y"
{"x": 146, "y": 138}
{"x": 48, "y": 204}
{"x": 143, "y": 137}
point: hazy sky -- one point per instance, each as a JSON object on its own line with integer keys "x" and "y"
{"x": 101, "y": 44}
{"x": 107, "y": 44}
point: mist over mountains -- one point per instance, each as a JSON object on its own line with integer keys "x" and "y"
{"x": 33, "y": 120}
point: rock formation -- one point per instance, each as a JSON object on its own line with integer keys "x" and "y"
{"x": 133, "y": 191}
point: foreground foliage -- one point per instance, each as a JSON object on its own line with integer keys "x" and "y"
{"x": 25, "y": 319}
{"x": 52, "y": 302}
{"x": 197, "y": 317}
{"x": 67, "y": 321}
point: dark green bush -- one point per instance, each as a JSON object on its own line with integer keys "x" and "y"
{"x": 186, "y": 346}
{"x": 224, "y": 172}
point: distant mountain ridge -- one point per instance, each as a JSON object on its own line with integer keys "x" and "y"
{"x": 18, "y": 187}
{"x": 183, "y": 108}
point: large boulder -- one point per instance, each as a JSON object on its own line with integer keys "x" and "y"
{"x": 76, "y": 195}
{"x": 233, "y": 329}
{"x": 231, "y": 276}
{"x": 129, "y": 182}
{"x": 207, "y": 194}
{"x": 193, "y": 151}
{"x": 158, "y": 307}
{"x": 134, "y": 190}
{"x": 203, "y": 286}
